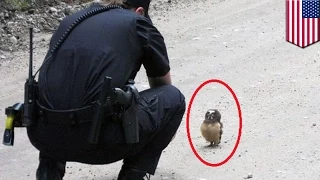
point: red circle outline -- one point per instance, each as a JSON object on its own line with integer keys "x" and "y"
{"x": 240, "y": 123}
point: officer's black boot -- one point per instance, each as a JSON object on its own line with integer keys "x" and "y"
{"x": 130, "y": 173}
{"x": 50, "y": 170}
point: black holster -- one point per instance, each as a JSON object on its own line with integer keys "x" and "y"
{"x": 130, "y": 121}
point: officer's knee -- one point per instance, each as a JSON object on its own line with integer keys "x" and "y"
{"x": 176, "y": 97}
{"x": 169, "y": 97}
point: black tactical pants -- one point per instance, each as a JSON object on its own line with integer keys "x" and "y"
{"x": 160, "y": 113}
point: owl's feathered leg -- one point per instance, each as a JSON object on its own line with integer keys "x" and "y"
{"x": 221, "y": 132}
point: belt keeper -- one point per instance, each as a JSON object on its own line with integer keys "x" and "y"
{"x": 72, "y": 119}
{"x": 41, "y": 117}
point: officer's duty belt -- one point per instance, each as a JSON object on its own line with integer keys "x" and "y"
{"x": 66, "y": 117}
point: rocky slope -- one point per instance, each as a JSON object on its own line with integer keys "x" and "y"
{"x": 14, "y": 24}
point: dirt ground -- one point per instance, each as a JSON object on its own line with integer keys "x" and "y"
{"x": 239, "y": 42}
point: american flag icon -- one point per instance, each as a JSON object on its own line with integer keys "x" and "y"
{"x": 302, "y": 22}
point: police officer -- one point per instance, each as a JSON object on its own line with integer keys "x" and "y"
{"x": 113, "y": 43}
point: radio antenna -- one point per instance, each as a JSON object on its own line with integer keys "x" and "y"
{"x": 29, "y": 92}
{"x": 31, "y": 53}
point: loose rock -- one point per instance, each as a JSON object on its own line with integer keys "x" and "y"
{"x": 53, "y": 10}
{"x": 13, "y": 40}
{"x": 36, "y": 30}
{"x": 1, "y": 15}
{"x": 249, "y": 176}
{"x": 6, "y": 15}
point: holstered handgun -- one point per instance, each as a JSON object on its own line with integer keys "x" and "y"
{"x": 130, "y": 121}
{"x": 128, "y": 99}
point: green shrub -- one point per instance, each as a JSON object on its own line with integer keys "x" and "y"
{"x": 18, "y": 4}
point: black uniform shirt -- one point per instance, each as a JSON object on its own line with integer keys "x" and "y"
{"x": 114, "y": 43}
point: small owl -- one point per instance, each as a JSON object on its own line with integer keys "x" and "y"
{"x": 211, "y": 127}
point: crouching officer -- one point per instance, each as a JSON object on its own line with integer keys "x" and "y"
{"x": 111, "y": 38}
